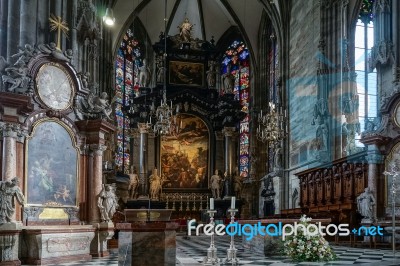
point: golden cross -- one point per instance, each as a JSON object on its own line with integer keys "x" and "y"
{"x": 56, "y": 23}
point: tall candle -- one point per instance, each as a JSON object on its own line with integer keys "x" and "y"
{"x": 211, "y": 203}
{"x": 233, "y": 200}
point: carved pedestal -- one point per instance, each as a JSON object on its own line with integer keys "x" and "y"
{"x": 104, "y": 232}
{"x": 143, "y": 244}
{"x": 55, "y": 244}
{"x": 9, "y": 243}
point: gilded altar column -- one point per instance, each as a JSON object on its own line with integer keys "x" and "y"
{"x": 9, "y": 154}
{"x": 95, "y": 181}
{"x": 229, "y": 133}
{"x": 143, "y": 153}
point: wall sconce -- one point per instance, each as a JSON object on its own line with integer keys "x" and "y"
{"x": 108, "y": 17}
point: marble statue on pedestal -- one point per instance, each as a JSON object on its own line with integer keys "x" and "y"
{"x": 238, "y": 185}
{"x": 133, "y": 183}
{"x": 8, "y": 190}
{"x": 365, "y": 203}
{"x": 155, "y": 185}
{"x": 215, "y": 185}
{"x": 107, "y": 202}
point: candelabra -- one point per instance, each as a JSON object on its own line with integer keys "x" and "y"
{"x": 181, "y": 206}
{"x": 211, "y": 258}
{"x": 187, "y": 204}
{"x": 231, "y": 251}
{"x": 272, "y": 126}
{"x": 201, "y": 203}
{"x": 394, "y": 173}
{"x": 166, "y": 204}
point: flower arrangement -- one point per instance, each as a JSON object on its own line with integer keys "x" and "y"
{"x": 308, "y": 247}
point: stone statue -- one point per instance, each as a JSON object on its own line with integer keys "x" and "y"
{"x": 228, "y": 80}
{"x": 24, "y": 55}
{"x": 211, "y": 75}
{"x": 84, "y": 79}
{"x": 144, "y": 74}
{"x": 185, "y": 30}
{"x": 160, "y": 69}
{"x": 96, "y": 106}
{"x": 365, "y": 203}
{"x": 215, "y": 181}
{"x": 155, "y": 185}
{"x": 18, "y": 78}
{"x": 107, "y": 202}
{"x": 8, "y": 190}
{"x": 133, "y": 184}
{"x": 237, "y": 185}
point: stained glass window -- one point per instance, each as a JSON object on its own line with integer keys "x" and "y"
{"x": 129, "y": 59}
{"x": 237, "y": 60}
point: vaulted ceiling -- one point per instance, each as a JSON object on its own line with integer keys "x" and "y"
{"x": 210, "y": 17}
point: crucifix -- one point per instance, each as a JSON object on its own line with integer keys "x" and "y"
{"x": 56, "y": 23}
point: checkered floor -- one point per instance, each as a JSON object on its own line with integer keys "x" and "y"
{"x": 191, "y": 252}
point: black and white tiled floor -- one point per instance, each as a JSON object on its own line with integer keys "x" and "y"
{"x": 191, "y": 252}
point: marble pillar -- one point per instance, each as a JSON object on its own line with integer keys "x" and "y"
{"x": 374, "y": 158}
{"x": 229, "y": 132}
{"x": 95, "y": 181}
{"x": 143, "y": 178}
{"x": 9, "y": 153}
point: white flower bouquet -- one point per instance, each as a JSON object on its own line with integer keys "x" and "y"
{"x": 307, "y": 247}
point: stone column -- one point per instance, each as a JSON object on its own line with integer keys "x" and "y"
{"x": 229, "y": 132}
{"x": 9, "y": 158}
{"x": 374, "y": 158}
{"x": 12, "y": 28}
{"x": 219, "y": 152}
{"x": 27, "y": 33}
{"x": 95, "y": 182}
{"x": 143, "y": 178}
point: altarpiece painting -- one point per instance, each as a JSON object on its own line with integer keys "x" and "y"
{"x": 185, "y": 154}
{"x": 52, "y": 166}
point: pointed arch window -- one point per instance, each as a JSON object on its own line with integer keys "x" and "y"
{"x": 236, "y": 60}
{"x": 366, "y": 78}
{"x": 129, "y": 59}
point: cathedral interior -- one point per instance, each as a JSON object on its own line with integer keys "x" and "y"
{"x": 121, "y": 121}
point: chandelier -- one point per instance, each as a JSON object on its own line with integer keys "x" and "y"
{"x": 272, "y": 127}
{"x": 164, "y": 114}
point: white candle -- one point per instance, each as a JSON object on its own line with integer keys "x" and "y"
{"x": 233, "y": 200}
{"x": 211, "y": 203}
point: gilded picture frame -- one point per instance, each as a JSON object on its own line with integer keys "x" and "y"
{"x": 184, "y": 155}
{"x": 186, "y": 73}
{"x": 51, "y": 165}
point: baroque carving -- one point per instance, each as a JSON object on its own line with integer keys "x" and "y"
{"x": 94, "y": 107}
{"x": 8, "y": 190}
{"x": 107, "y": 202}
{"x": 381, "y": 54}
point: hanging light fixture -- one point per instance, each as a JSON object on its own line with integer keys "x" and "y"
{"x": 108, "y": 17}
{"x": 164, "y": 114}
{"x": 272, "y": 126}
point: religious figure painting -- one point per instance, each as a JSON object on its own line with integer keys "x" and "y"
{"x": 186, "y": 73}
{"x": 185, "y": 153}
{"x": 52, "y": 166}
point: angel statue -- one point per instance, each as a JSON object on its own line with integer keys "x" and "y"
{"x": 17, "y": 75}
{"x": 96, "y": 105}
{"x": 8, "y": 190}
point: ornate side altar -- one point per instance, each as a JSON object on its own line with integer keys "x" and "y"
{"x": 53, "y": 135}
